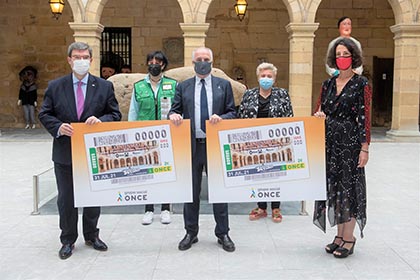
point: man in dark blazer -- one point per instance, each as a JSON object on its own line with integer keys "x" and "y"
{"x": 203, "y": 97}
{"x": 78, "y": 97}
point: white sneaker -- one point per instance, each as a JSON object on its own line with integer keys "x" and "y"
{"x": 165, "y": 217}
{"x": 147, "y": 218}
{"x": 27, "y": 126}
{"x": 33, "y": 126}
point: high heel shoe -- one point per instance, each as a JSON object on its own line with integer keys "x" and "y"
{"x": 330, "y": 248}
{"x": 344, "y": 252}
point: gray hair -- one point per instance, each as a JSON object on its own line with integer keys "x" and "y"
{"x": 79, "y": 46}
{"x": 266, "y": 66}
{"x": 200, "y": 49}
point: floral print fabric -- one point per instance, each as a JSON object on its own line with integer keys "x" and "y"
{"x": 347, "y": 127}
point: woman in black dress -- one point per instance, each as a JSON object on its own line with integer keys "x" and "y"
{"x": 345, "y": 104}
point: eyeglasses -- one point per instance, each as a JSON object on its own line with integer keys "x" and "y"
{"x": 78, "y": 57}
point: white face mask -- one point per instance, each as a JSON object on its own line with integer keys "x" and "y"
{"x": 81, "y": 66}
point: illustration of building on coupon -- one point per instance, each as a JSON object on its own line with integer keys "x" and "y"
{"x": 130, "y": 157}
{"x": 264, "y": 154}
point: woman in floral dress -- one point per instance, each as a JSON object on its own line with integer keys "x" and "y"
{"x": 345, "y": 104}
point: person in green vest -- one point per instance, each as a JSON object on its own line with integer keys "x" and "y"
{"x": 151, "y": 99}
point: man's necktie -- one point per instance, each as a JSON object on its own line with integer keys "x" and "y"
{"x": 204, "y": 110}
{"x": 80, "y": 99}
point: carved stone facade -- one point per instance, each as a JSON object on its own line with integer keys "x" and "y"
{"x": 292, "y": 34}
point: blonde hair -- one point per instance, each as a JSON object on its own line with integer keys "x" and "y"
{"x": 266, "y": 66}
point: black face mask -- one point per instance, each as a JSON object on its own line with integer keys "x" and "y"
{"x": 155, "y": 69}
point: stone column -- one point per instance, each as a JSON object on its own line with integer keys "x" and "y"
{"x": 194, "y": 37}
{"x": 406, "y": 89}
{"x": 90, "y": 33}
{"x": 301, "y": 39}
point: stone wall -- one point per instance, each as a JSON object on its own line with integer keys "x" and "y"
{"x": 31, "y": 36}
{"x": 152, "y": 25}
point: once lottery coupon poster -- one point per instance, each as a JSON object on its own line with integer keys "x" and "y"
{"x": 264, "y": 154}
{"x": 123, "y": 163}
{"x": 130, "y": 157}
{"x": 266, "y": 160}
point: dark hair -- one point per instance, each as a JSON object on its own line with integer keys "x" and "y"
{"x": 28, "y": 68}
{"x": 80, "y": 46}
{"x": 126, "y": 66}
{"x": 356, "y": 55}
{"x": 109, "y": 64}
{"x": 158, "y": 55}
{"x": 341, "y": 19}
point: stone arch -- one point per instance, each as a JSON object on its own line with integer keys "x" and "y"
{"x": 235, "y": 160}
{"x": 80, "y": 10}
{"x": 301, "y": 11}
{"x": 262, "y": 159}
{"x": 404, "y": 11}
{"x": 101, "y": 163}
{"x": 92, "y": 12}
{"x": 194, "y": 11}
{"x": 156, "y": 160}
{"x": 289, "y": 155}
{"x": 135, "y": 162}
{"x": 249, "y": 160}
{"x": 274, "y": 157}
{"x": 417, "y": 12}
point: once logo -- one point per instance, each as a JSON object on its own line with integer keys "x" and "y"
{"x": 268, "y": 194}
{"x": 135, "y": 197}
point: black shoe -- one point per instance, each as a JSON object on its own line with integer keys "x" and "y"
{"x": 330, "y": 248}
{"x": 66, "y": 251}
{"x": 187, "y": 241}
{"x": 97, "y": 244}
{"x": 226, "y": 243}
{"x": 342, "y": 252}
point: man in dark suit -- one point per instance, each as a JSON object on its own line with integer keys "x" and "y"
{"x": 200, "y": 98}
{"x": 78, "y": 97}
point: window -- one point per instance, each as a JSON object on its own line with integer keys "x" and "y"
{"x": 116, "y": 46}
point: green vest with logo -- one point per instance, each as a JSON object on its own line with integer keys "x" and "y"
{"x": 150, "y": 108}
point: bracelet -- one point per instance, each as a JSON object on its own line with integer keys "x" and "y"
{"x": 365, "y": 151}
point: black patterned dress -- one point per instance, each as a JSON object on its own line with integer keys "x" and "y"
{"x": 347, "y": 127}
